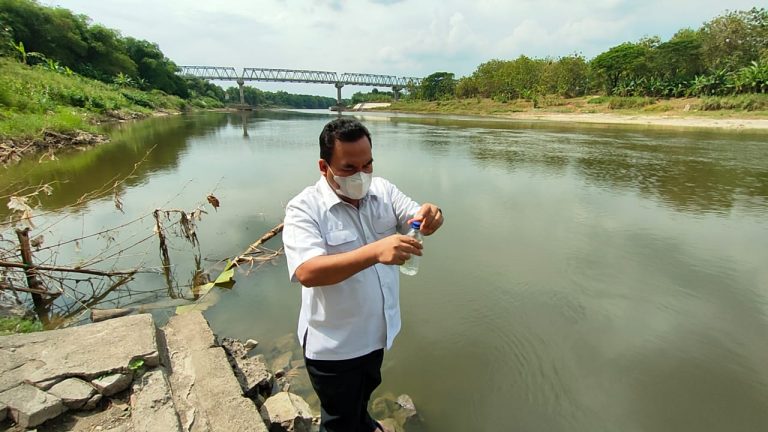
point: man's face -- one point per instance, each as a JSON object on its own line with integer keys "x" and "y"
{"x": 348, "y": 158}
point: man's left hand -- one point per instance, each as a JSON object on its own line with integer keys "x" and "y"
{"x": 431, "y": 218}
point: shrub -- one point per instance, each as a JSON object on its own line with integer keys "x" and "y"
{"x": 598, "y": 100}
{"x": 629, "y": 102}
{"x": 746, "y": 102}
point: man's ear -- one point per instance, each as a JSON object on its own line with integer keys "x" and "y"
{"x": 323, "y": 165}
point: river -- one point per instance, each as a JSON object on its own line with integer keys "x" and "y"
{"x": 587, "y": 278}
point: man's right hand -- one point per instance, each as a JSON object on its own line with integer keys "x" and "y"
{"x": 396, "y": 249}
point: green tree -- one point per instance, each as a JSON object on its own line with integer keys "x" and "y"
{"x": 6, "y": 37}
{"x": 157, "y": 70}
{"x": 467, "y": 87}
{"x": 569, "y": 75}
{"x": 106, "y": 55}
{"x": 680, "y": 58}
{"x": 735, "y": 39}
{"x": 620, "y": 62}
{"x": 489, "y": 77}
{"x": 439, "y": 85}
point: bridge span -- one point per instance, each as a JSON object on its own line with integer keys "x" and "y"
{"x": 298, "y": 76}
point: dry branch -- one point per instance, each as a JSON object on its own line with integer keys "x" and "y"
{"x": 255, "y": 246}
{"x": 66, "y": 269}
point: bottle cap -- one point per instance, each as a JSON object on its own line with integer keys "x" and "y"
{"x": 416, "y": 225}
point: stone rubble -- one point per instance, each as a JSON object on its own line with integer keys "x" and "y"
{"x": 113, "y": 384}
{"x": 30, "y": 406}
{"x": 252, "y": 373}
{"x": 287, "y": 412}
{"x": 74, "y": 392}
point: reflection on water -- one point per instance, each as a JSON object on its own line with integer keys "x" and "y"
{"x": 688, "y": 171}
{"x": 588, "y": 278}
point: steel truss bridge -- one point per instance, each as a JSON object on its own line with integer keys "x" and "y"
{"x": 299, "y": 76}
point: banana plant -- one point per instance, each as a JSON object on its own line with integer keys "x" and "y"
{"x": 22, "y": 51}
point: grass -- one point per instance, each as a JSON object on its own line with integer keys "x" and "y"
{"x": 19, "y": 325}
{"x": 747, "y": 102}
{"x": 742, "y": 106}
{"x": 34, "y": 99}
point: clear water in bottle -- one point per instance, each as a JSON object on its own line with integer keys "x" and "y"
{"x": 411, "y": 267}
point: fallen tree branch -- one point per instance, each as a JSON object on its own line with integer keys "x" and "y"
{"x": 27, "y": 290}
{"x": 254, "y": 247}
{"x": 66, "y": 269}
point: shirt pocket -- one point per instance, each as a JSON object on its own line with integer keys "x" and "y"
{"x": 385, "y": 224}
{"x": 341, "y": 240}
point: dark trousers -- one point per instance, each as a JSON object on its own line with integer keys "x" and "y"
{"x": 344, "y": 388}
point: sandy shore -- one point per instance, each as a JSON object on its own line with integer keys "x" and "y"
{"x": 673, "y": 121}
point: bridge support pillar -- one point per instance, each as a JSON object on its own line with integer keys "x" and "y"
{"x": 338, "y": 93}
{"x": 240, "y": 84}
{"x": 339, "y": 105}
{"x": 396, "y": 92}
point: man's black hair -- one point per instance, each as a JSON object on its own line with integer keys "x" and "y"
{"x": 344, "y": 129}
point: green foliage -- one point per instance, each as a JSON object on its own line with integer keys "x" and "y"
{"x": 266, "y": 99}
{"x": 725, "y": 56}
{"x": 136, "y": 364}
{"x": 123, "y": 80}
{"x": 621, "y": 62}
{"x": 71, "y": 43}
{"x": 752, "y": 78}
{"x": 622, "y": 102}
{"x": 374, "y": 96}
{"x": 33, "y": 99}
{"x": 717, "y": 83}
{"x": 735, "y": 39}
{"x": 679, "y": 59}
{"x": 746, "y": 102}
{"x": 19, "y": 325}
{"x": 439, "y": 85}
{"x": 598, "y": 100}
{"x": 6, "y": 38}
{"x": 629, "y": 102}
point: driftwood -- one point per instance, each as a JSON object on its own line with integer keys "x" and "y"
{"x": 105, "y": 314}
{"x": 254, "y": 248}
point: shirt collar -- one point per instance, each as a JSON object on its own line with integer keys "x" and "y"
{"x": 330, "y": 198}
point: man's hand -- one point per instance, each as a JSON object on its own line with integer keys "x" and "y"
{"x": 396, "y": 249}
{"x": 431, "y": 218}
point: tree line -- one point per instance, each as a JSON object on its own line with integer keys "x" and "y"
{"x": 279, "y": 99}
{"x": 58, "y": 39}
{"x": 726, "y": 55}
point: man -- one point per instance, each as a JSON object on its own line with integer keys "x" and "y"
{"x": 343, "y": 242}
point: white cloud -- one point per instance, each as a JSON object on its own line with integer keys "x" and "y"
{"x": 393, "y": 37}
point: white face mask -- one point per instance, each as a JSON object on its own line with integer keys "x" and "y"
{"x": 354, "y": 186}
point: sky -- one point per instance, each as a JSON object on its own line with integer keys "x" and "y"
{"x": 389, "y": 37}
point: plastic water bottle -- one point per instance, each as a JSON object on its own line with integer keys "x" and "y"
{"x": 411, "y": 267}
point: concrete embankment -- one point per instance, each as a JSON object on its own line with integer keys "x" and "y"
{"x": 127, "y": 375}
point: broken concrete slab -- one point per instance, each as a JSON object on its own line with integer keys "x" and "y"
{"x": 252, "y": 373}
{"x": 74, "y": 392}
{"x": 69, "y": 352}
{"x": 113, "y": 383}
{"x": 152, "y": 404}
{"x": 205, "y": 391}
{"x": 29, "y": 406}
{"x": 287, "y": 412}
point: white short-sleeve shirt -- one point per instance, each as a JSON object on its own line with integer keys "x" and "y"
{"x": 362, "y": 313}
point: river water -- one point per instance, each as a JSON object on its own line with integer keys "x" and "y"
{"x": 588, "y": 278}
